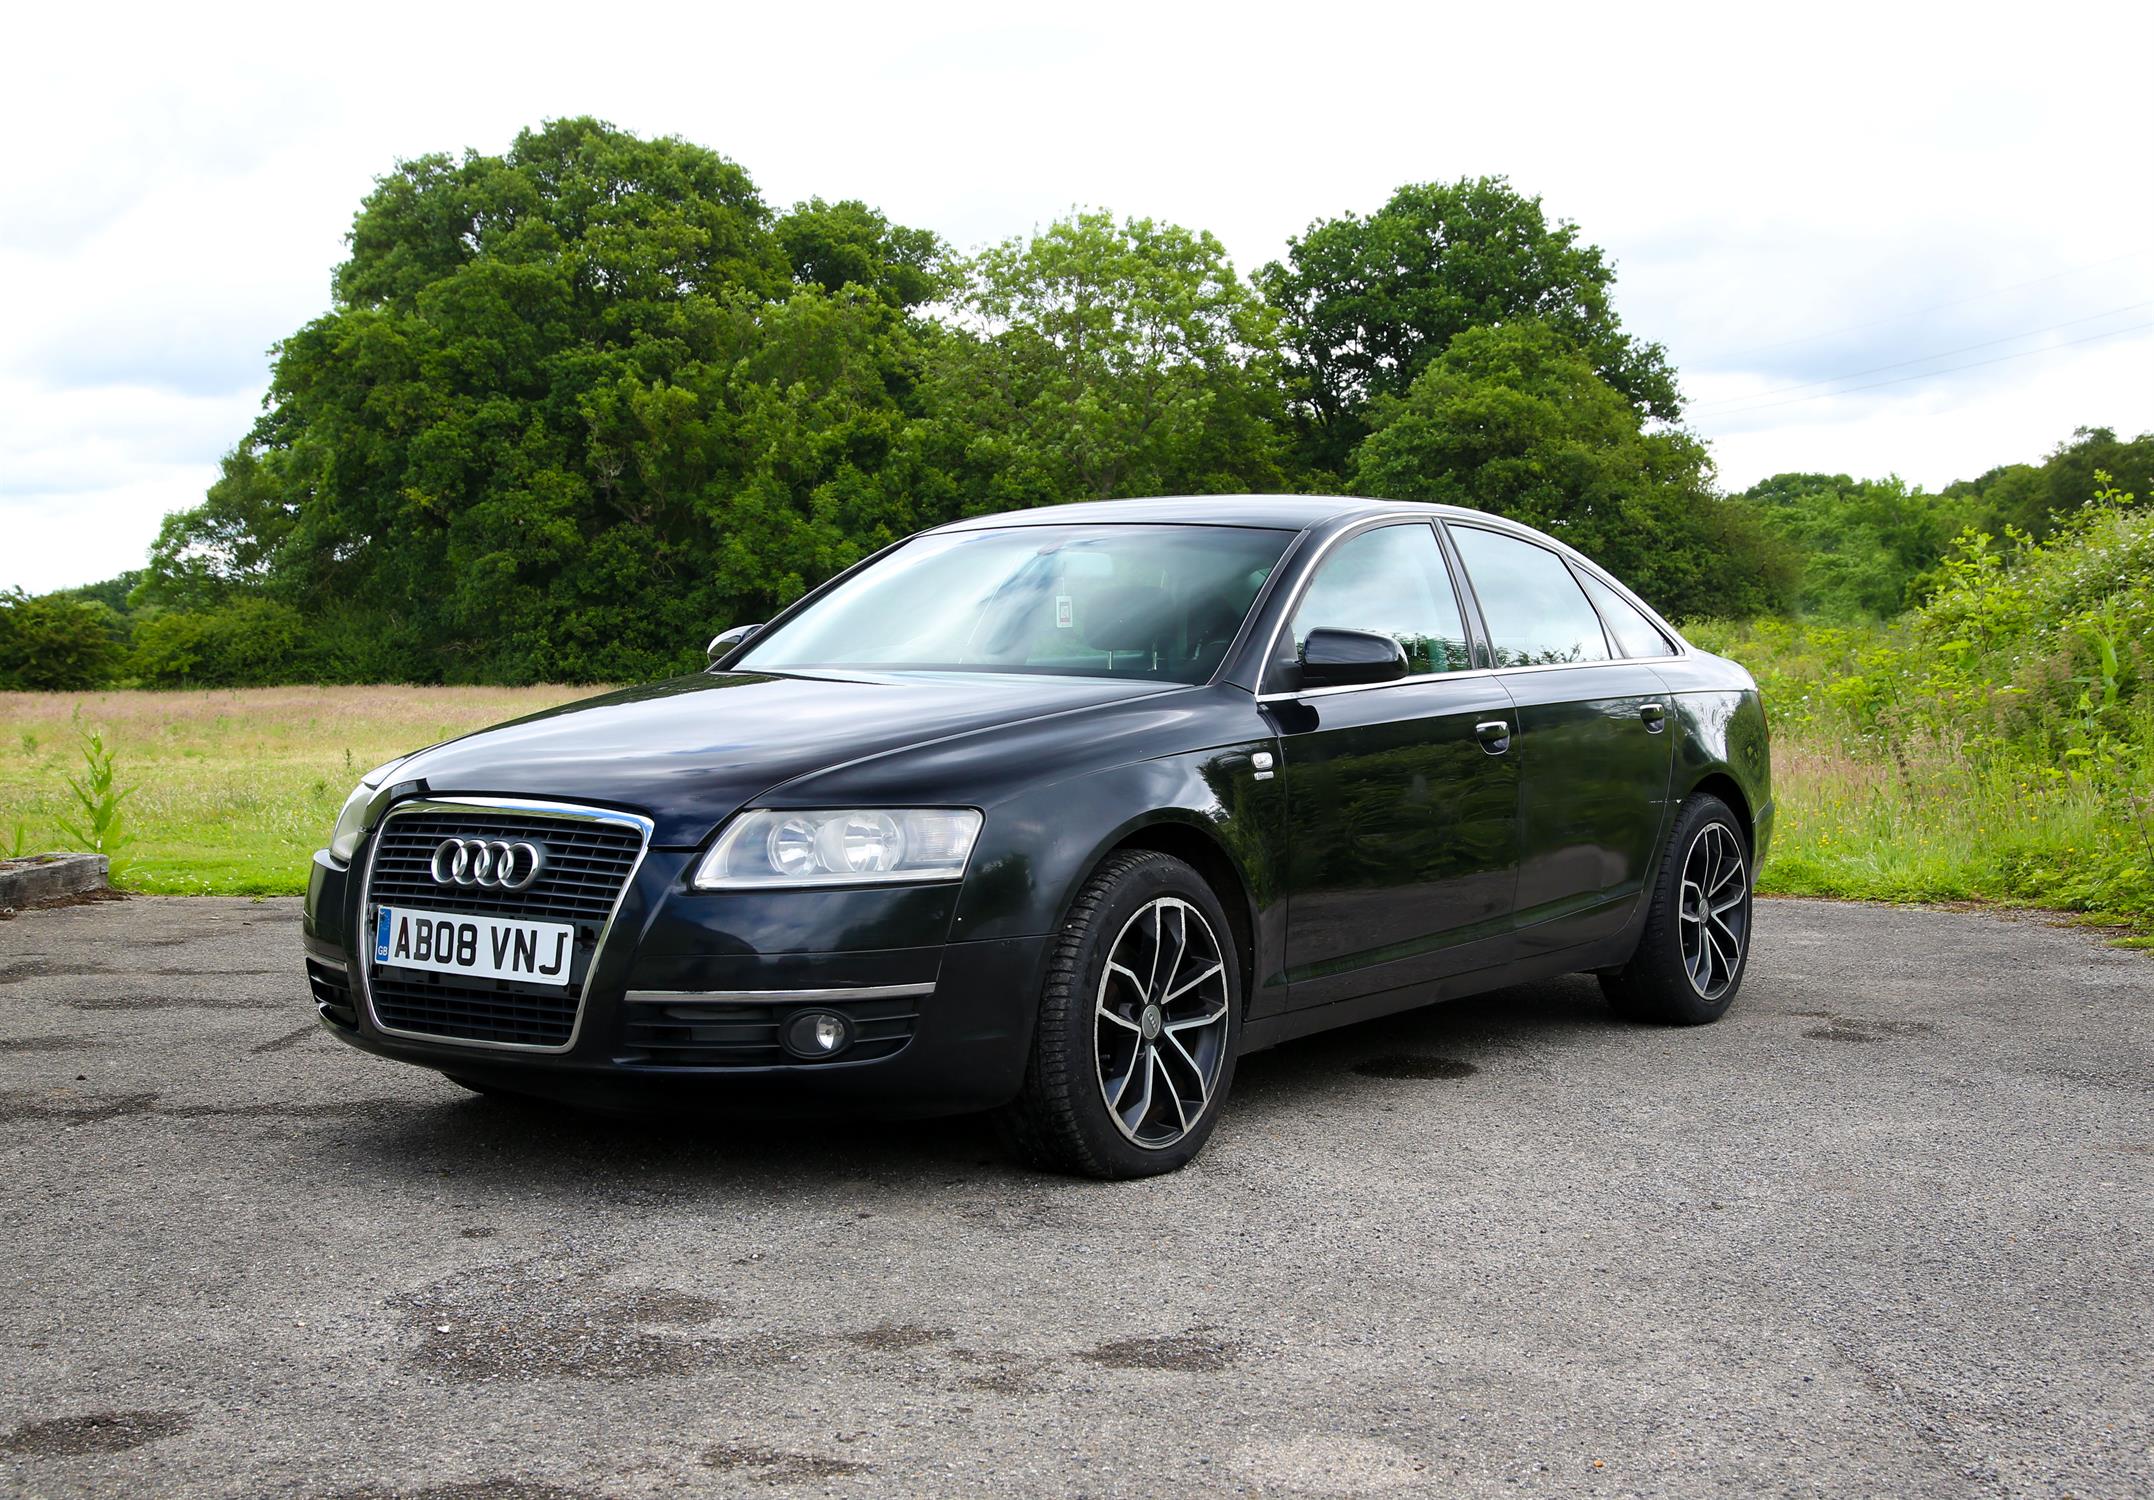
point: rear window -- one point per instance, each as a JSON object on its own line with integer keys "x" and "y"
{"x": 1633, "y": 633}
{"x": 1537, "y": 615}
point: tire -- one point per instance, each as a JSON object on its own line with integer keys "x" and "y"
{"x": 1104, "y": 996}
{"x": 1701, "y": 896}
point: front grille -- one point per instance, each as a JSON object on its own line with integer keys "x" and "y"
{"x": 332, "y": 988}
{"x": 733, "y": 1034}
{"x": 588, "y": 864}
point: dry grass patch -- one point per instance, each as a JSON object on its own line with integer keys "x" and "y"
{"x": 233, "y": 789}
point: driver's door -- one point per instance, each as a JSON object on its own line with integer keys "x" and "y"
{"x": 1402, "y": 797}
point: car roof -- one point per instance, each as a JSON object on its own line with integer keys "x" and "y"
{"x": 1288, "y": 512}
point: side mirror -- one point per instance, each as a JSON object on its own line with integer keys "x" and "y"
{"x": 726, "y": 642}
{"x": 1344, "y": 658}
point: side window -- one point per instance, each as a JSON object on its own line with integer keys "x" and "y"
{"x": 1391, "y": 580}
{"x": 1536, "y": 614}
{"x": 1634, "y": 634}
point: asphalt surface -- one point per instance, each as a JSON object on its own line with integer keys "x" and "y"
{"x": 1884, "y": 1231}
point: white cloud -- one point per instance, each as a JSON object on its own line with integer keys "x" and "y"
{"x": 1762, "y": 177}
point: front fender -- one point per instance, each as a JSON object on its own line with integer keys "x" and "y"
{"x": 1039, "y": 846}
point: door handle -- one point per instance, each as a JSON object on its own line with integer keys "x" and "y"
{"x": 1495, "y": 735}
{"x": 1656, "y": 717}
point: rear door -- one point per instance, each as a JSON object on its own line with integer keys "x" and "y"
{"x": 1402, "y": 797}
{"x": 1592, "y": 747}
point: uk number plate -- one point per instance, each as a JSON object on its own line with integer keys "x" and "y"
{"x": 474, "y": 947}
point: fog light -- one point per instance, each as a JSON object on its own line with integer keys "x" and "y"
{"x": 818, "y": 1033}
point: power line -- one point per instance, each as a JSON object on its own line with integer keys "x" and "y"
{"x": 2013, "y": 286}
{"x": 1924, "y": 359}
{"x": 1973, "y": 364}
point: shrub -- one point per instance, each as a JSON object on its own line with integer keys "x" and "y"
{"x": 1996, "y": 742}
{"x": 55, "y": 643}
{"x": 244, "y": 643}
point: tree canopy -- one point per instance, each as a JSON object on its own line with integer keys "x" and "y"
{"x": 1099, "y": 359}
{"x": 1369, "y": 303}
{"x": 572, "y": 404}
{"x": 573, "y": 408}
{"x": 1870, "y": 548}
{"x": 1515, "y": 419}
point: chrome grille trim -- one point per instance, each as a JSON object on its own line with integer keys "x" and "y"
{"x": 521, "y": 807}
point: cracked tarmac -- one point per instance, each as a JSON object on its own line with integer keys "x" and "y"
{"x": 1504, "y": 1246}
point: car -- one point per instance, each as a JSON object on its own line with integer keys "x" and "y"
{"x": 1056, "y": 815}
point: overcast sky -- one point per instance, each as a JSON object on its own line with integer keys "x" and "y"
{"x": 1800, "y": 201}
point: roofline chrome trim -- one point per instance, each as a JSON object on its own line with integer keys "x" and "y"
{"x": 568, "y": 811}
{"x": 827, "y": 996}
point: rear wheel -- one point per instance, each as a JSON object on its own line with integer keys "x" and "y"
{"x": 1139, "y": 1022}
{"x": 1696, "y": 943}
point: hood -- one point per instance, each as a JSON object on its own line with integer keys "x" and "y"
{"x": 692, "y": 751}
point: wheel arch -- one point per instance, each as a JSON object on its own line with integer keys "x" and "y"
{"x": 1724, "y": 786}
{"x": 1196, "y": 846}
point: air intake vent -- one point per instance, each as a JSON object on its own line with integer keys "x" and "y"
{"x": 332, "y": 988}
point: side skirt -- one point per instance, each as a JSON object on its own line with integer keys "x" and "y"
{"x": 1608, "y": 952}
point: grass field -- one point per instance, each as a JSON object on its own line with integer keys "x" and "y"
{"x": 233, "y": 791}
{"x": 1930, "y": 827}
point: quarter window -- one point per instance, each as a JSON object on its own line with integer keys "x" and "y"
{"x": 1633, "y": 633}
{"x": 1392, "y": 581}
{"x": 1536, "y": 614}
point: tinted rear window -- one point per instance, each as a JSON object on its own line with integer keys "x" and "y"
{"x": 1537, "y": 615}
{"x": 1633, "y": 633}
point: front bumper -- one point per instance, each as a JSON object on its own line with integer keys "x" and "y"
{"x": 974, "y": 1001}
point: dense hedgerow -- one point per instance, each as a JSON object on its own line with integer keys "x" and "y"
{"x": 1996, "y": 742}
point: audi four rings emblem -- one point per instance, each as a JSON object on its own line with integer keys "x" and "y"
{"x": 489, "y": 862}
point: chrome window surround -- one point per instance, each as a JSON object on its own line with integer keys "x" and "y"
{"x": 1571, "y": 555}
{"x": 568, "y": 812}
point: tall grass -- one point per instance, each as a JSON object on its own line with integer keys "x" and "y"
{"x": 1920, "y": 822}
{"x": 232, "y": 790}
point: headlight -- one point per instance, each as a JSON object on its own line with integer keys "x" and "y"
{"x": 351, "y": 821}
{"x": 776, "y": 847}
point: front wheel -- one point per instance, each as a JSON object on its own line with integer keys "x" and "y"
{"x": 1696, "y": 943}
{"x": 1138, "y": 1027}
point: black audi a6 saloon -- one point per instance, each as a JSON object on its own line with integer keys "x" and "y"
{"x": 1059, "y": 813}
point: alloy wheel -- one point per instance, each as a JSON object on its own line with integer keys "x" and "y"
{"x": 1715, "y": 907}
{"x": 1161, "y": 1022}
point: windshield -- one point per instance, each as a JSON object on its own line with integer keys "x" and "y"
{"x": 1160, "y": 602}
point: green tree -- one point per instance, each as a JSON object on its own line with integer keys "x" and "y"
{"x": 2034, "y": 497}
{"x": 229, "y": 542}
{"x": 1866, "y": 547}
{"x": 55, "y": 642}
{"x": 573, "y": 406}
{"x": 1100, "y": 359}
{"x": 621, "y": 231}
{"x": 836, "y": 245}
{"x": 1516, "y": 420}
{"x": 1368, "y": 303}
